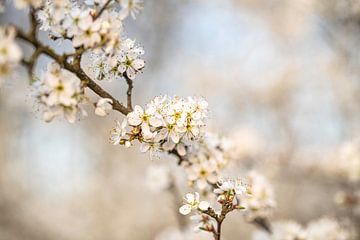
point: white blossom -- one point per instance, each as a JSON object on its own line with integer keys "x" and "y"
{"x": 122, "y": 60}
{"x": 151, "y": 125}
{"x": 232, "y": 191}
{"x": 60, "y": 93}
{"x": 283, "y": 230}
{"x": 10, "y": 52}
{"x": 261, "y": 202}
{"x": 329, "y": 229}
{"x": 207, "y": 157}
{"x": 131, "y": 7}
{"x": 118, "y": 133}
{"x": 192, "y": 202}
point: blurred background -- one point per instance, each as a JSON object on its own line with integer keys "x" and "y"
{"x": 281, "y": 78}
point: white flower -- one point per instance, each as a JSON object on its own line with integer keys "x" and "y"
{"x": 118, "y": 132}
{"x": 103, "y": 107}
{"x": 260, "y": 203}
{"x": 192, "y": 202}
{"x": 202, "y": 172}
{"x": 149, "y": 117}
{"x": 60, "y": 93}
{"x": 129, "y": 58}
{"x": 10, "y": 52}
{"x": 328, "y": 229}
{"x": 230, "y": 186}
{"x": 288, "y": 230}
{"x": 149, "y": 127}
{"x": 88, "y": 34}
{"x": 132, "y": 7}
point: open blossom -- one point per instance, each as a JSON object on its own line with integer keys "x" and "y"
{"x": 231, "y": 191}
{"x": 60, "y": 93}
{"x": 77, "y": 22}
{"x": 131, "y": 7}
{"x": 329, "y": 229}
{"x": 118, "y": 134}
{"x": 192, "y": 202}
{"x": 283, "y": 230}
{"x": 324, "y": 228}
{"x": 125, "y": 59}
{"x": 261, "y": 202}
{"x": 103, "y": 107}
{"x": 206, "y": 158}
{"x": 159, "y": 128}
{"x": 202, "y": 172}
{"x": 10, "y": 52}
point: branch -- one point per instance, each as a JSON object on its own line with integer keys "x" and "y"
{"x": 74, "y": 68}
{"x": 129, "y": 91}
{"x": 102, "y": 9}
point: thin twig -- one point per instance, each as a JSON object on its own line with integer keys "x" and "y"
{"x": 129, "y": 92}
{"x": 102, "y": 9}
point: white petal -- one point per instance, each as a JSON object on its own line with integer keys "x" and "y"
{"x": 155, "y": 122}
{"x": 100, "y": 112}
{"x": 174, "y": 136}
{"x": 181, "y": 149}
{"x": 189, "y": 197}
{"x": 204, "y": 205}
{"x": 138, "y": 64}
{"x": 185, "y": 209}
{"x": 144, "y": 147}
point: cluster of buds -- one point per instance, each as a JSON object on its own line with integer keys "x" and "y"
{"x": 166, "y": 124}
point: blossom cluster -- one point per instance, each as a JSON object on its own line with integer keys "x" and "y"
{"x": 83, "y": 24}
{"x": 324, "y": 228}
{"x": 10, "y": 52}
{"x": 125, "y": 60}
{"x": 192, "y": 202}
{"x": 165, "y": 124}
{"x": 205, "y": 159}
{"x": 261, "y": 202}
{"x": 229, "y": 193}
{"x": 60, "y": 93}
{"x": 232, "y": 191}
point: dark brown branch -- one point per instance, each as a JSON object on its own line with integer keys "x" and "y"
{"x": 129, "y": 92}
{"x": 103, "y": 8}
{"x": 263, "y": 223}
{"x": 74, "y": 68}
